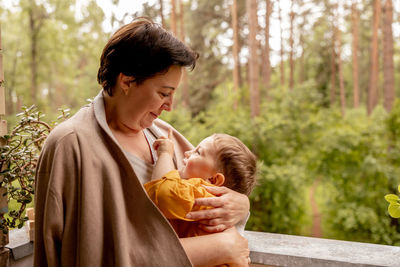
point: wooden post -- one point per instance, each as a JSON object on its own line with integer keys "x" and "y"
{"x": 4, "y": 252}
{"x": 31, "y": 223}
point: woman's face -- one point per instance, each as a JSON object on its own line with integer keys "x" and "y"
{"x": 143, "y": 103}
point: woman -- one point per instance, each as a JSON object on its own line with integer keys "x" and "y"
{"x": 91, "y": 208}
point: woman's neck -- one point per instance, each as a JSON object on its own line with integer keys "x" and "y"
{"x": 113, "y": 115}
{"x": 131, "y": 140}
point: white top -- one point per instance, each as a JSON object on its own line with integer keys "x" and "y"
{"x": 142, "y": 169}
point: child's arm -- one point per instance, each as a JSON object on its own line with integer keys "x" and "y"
{"x": 175, "y": 196}
{"x": 165, "y": 152}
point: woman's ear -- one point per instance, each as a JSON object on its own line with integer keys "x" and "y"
{"x": 124, "y": 82}
{"x": 217, "y": 179}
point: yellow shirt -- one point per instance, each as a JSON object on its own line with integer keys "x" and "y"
{"x": 175, "y": 198}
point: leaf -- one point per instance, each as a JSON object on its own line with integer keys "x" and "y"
{"x": 394, "y": 210}
{"x": 398, "y": 188}
{"x": 392, "y": 198}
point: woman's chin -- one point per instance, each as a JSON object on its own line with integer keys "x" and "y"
{"x": 146, "y": 124}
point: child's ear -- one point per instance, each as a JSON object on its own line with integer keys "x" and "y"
{"x": 217, "y": 179}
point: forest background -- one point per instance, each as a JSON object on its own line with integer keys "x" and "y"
{"x": 309, "y": 86}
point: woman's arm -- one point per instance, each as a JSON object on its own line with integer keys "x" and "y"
{"x": 231, "y": 207}
{"x": 227, "y": 247}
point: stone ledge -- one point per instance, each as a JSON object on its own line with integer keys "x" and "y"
{"x": 19, "y": 243}
{"x": 287, "y": 250}
{"x": 277, "y": 250}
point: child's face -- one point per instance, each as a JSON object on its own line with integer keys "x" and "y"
{"x": 201, "y": 161}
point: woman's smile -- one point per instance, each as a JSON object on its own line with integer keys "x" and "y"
{"x": 154, "y": 115}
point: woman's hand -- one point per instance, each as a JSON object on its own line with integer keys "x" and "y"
{"x": 239, "y": 248}
{"x": 230, "y": 207}
{"x": 227, "y": 247}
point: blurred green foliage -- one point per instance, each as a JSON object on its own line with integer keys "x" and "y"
{"x": 298, "y": 140}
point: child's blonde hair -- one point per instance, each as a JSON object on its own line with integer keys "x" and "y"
{"x": 236, "y": 162}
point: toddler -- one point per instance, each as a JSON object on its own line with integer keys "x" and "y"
{"x": 219, "y": 160}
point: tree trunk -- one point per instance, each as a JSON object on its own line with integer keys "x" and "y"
{"x": 9, "y": 102}
{"x": 302, "y": 60}
{"x": 4, "y": 253}
{"x": 10, "y": 108}
{"x": 51, "y": 96}
{"x": 162, "y": 13}
{"x": 34, "y": 43}
{"x": 291, "y": 43}
{"x": 240, "y": 70}
{"x": 388, "y": 65}
{"x": 253, "y": 60}
{"x": 235, "y": 51}
{"x": 60, "y": 92}
{"x": 2, "y": 96}
{"x": 336, "y": 18}
{"x": 302, "y": 68}
{"x": 373, "y": 83}
{"x": 180, "y": 21}
{"x": 281, "y": 36}
{"x": 340, "y": 69}
{"x": 267, "y": 74}
{"x": 354, "y": 19}
{"x": 185, "y": 83}
{"x": 19, "y": 104}
{"x": 333, "y": 67}
{"x": 173, "y": 17}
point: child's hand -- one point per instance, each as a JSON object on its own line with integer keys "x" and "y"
{"x": 164, "y": 144}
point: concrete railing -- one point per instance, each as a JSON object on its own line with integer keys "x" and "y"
{"x": 285, "y": 250}
{"x": 269, "y": 250}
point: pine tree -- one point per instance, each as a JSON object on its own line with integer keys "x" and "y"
{"x": 373, "y": 82}
{"x": 253, "y": 59}
{"x": 340, "y": 64}
{"x": 235, "y": 49}
{"x": 388, "y": 65}
{"x": 162, "y": 13}
{"x": 173, "y": 17}
{"x": 354, "y": 19}
{"x": 282, "y": 66}
{"x": 185, "y": 82}
{"x": 267, "y": 74}
{"x": 291, "y": 44}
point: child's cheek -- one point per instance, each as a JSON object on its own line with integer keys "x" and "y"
{"x": 191, "y": 169}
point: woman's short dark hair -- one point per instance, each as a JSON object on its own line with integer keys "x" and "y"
{"x": 141, "y": 49}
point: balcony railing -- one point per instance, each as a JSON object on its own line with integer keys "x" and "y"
{"x": 269, "y": 250}
{"x": 286, "y": 250}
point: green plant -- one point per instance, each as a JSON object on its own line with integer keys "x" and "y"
{"x": 18, "y": 159}
{"x": 394, "y": 204}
